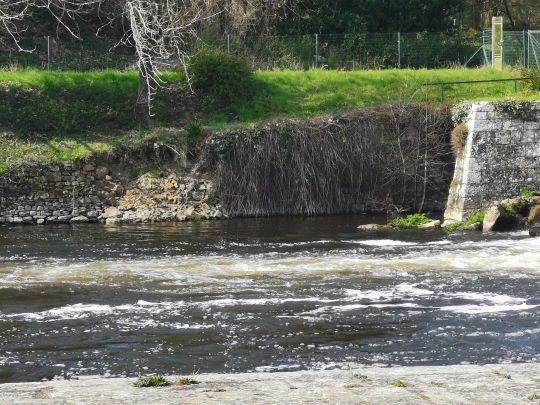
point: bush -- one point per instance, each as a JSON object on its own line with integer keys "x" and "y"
{"x": 410, "y": 221}
{"x": 223, "y": 77}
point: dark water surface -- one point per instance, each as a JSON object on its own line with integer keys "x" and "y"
{"x": 260, "y": 294}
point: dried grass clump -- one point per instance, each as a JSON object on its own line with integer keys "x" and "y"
{"x": 459, "y": 139}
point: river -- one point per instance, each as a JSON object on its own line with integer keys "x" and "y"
{"x": 276, "y": 294}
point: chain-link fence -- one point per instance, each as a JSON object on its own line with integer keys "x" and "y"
{"x": 302, "y": 52}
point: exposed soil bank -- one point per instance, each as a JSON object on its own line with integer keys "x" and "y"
{"x": 503, "y": 384}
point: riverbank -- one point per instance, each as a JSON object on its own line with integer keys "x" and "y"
{"x": 461, "y": 384}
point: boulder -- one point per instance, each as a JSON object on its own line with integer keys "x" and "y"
{"x": 477, "y": 226}
{"x": 374, "y": 227}
{"x": 534, "y": 230}
{"x": 430, "y": 225}
{"x": 81, "y": 219}
{"x": 113, "y": 221}
{"x": 534, "y": 214}
{"x": 112, "y": 212}
{"x": 449, "y": 222}
{"x": 499, "y": 219}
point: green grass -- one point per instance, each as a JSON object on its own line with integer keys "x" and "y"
{"x": 60, "y": 116}
{"x": 410, "y": 221}
{"x": 475, "y": 218}
{"x": 17, "y": 151}
{"x": 308, "y": 94}
{"x": 529, "y": 192}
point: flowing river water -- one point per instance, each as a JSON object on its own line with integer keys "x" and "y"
{"x": 260, "y": 295}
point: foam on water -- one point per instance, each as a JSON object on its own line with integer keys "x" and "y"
{"x": 270, "y": 303}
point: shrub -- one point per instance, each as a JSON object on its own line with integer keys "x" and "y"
{"x": 459, "y": 139}
{"x": 410, "y": 221}
{"x": 223, "y": 77}
{"x": 153, "y": 381}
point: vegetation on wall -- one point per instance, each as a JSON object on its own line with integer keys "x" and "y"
{"x": 371, "y": 159}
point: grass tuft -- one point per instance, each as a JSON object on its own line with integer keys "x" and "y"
{"x": 410, "y": 221}
{"x": 475, "y": 218}
{"x": 186, "y": 381}
{"x": 152, "y": 381}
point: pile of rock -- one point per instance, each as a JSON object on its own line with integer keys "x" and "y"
{"x": 160, "y": 199}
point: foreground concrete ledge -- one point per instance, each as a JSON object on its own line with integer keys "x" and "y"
{"x": 490, "y": 384}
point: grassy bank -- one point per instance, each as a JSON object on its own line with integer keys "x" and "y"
{"x": 57, "y": 116}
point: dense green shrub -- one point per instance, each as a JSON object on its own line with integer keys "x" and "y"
{"x": 224, "y": 78}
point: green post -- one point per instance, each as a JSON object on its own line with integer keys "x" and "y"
{"x": 442, "y": 94}
{"x": 515, "y": 86}
{"x": 524, "y": 61}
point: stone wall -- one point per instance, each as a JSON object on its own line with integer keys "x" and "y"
{"x": 81, "y": 192}
{"x": 501, "y": 156}
{"x": 56, "y": 194}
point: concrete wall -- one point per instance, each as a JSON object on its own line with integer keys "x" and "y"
{"x": 501, "y": 156}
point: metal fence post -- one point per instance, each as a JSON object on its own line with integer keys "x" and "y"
{"x": 316, "y": 51}
{"x": 228, "y": 43}
{"x": 399, "y": 49}
{"x": 524, "y": 61}
{"x": 48, "y": 52}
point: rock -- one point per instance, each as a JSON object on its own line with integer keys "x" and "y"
{"x": 16, "y": 220}
{"x": 181, "y": 218}
{"x": 112, "y": 212}
{"x": 449, "y": 222}
{"x": 477, "y": 226}
{"x": 430, "y": 225}
{"x": 102, "y": 172}
{"x": 81, "y": 219}
{"x": 40, "y": 221}
{"x": 534, "y": 230}
{"x": 534, "y": 214}
{"x": 88, "y": 168}
{"x": 498, "y": 219}
{"x": 113, "y": 221}
{"x": 374, "y": 227}
{"x": 118, "y": 190}
{"x": 64, "y": 219}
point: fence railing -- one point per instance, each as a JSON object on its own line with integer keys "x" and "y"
{"x": 302, "y": 52}
{"x": 445, "y": 85}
